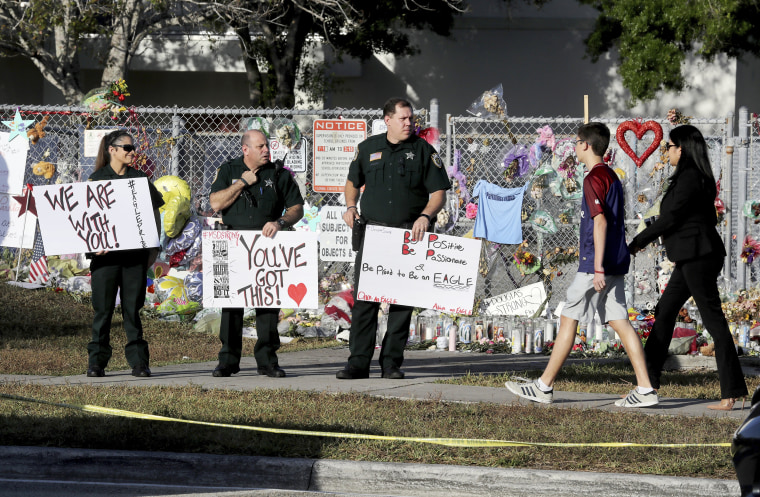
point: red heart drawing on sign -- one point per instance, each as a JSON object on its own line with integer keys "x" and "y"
{"x": 297, "y": 292}
{"x": 639, "y": 129}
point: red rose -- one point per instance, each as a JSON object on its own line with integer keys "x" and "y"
{"x": 121, "y": 98}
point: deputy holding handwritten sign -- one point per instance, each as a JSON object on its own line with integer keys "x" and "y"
{"x": 125, "y": 269}
{"x": 251, "y": 194}
{"x": 405, "y": 187}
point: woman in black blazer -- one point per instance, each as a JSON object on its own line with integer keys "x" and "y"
{"x": 687, "y": 226}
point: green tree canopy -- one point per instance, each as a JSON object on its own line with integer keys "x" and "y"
{"x": 654, "y": 37}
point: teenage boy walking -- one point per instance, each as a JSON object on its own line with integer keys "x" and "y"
{"x": 599, "y": 283}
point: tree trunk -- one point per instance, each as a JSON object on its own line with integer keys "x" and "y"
{"x": 121, "y": 47}
{"x": 252, "y": 73}
{"x": 285, "y": 58}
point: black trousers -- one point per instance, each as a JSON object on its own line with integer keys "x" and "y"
{"x": 697, "y": 278}
{"x": 231, "y": 336}
{"x": 363, "y": 334}
{"x": 126, "y": 270}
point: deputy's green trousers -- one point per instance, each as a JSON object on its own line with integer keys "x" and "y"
{"x": 363, "y": 335}
{"x": 231, "y": 336}
{"x": 126, "y": 270}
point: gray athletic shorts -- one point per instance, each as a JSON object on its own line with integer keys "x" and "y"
{"x": 582, "y": 298}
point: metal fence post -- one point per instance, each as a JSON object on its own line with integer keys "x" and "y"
{"x": 176, "y": 137}
{"x": 727, "y": 193}
{"x": 741, "y": 194}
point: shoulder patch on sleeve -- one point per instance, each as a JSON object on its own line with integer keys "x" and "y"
{"x": 356, "y": 154}
{"x": 437, "y": 160}
{"x": 215, "y": 175}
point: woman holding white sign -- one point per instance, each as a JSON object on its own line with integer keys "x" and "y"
{"x": 125, "y": 270}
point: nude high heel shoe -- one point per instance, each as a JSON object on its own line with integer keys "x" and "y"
{"x": 725, "y": 405}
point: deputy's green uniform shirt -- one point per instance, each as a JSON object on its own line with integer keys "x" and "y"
{"x": 260, "y": 203}
{"x": 106, "y": 173}
{"x": 399, "y": 178}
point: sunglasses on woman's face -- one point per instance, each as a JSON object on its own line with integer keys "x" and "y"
{"x": 127, "y": 147}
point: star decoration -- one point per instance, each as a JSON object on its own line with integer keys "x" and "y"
{"x": 269, "y": 184}
{"x": 22, "y": 199}
{"x": 18, "y": 126}
{"x": 410, "y": 155}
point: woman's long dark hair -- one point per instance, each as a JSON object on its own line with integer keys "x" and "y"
{"x": 104, "y": 157}
{"x": 693, "y": 155}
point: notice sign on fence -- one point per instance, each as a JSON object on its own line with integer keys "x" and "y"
{"x": 247, "y": 269}
{"x": 294, "y": 157}
{"x": 335, "y": 142}
{"x": 334, "y": 236}
{"x": 524, "y": 301}
{"x": 96, "y": 215}
{"x": 438, "y": 272}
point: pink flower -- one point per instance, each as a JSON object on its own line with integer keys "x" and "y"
{"x": 471, "y": 211}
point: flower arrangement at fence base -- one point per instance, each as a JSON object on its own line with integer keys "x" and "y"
{"x": 526, "y": 262}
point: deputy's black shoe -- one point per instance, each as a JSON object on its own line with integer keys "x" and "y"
{"x": 223, "y": 371}
{"x": 141, "y": 371}
{"x": 352, "y": 373}
{"x": 273, "y": 371}
{"x": 95, "y": 372}
{"x": 393, "y": 373}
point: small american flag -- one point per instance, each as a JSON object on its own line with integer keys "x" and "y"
{"x": 38, "y": 269}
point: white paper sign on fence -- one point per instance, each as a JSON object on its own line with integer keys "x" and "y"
{"x": 438, "y": 272}
{"x": 524, "y": 301}
{"x": 247, "y": 269}
{"x": 12, "y": 163}
{"x": 334, "y": 236}
{"x": 96, "y": 215}
{"x": 15, "y": 230}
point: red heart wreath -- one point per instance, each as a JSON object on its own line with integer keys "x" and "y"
{"x": 639, "y": 130}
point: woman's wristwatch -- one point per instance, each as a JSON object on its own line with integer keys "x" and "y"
{"x": 282, "y": 223}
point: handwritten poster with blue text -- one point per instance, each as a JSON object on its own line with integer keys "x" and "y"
{"x": 247, "y": 269}
{"x": 96, "y": 215}
{"x": 438, "y": 272}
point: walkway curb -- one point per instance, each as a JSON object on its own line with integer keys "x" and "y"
{"x": 249, "y": 475}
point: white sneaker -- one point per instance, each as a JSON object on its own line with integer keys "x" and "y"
{"x": 636, "y": 399}
{"x": 529, "y": 390}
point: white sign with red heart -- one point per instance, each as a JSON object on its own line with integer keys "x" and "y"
{"x": 247, "y": 269}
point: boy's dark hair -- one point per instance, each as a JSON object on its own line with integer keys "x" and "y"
{"x": 390, "y": 106}
{"x": 597, "y": 135}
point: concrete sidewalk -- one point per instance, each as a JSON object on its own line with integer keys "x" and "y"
{"x": 315, "y": 370}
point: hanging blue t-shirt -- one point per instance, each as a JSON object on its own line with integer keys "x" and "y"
{"x": 498, "y": 219}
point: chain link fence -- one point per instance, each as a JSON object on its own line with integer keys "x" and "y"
{"x": 748, "y": 200}
{"x": 483, "y": 149}
{"x": 193, "y": 142}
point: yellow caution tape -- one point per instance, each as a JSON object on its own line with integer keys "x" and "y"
{"x": 449, "y": 442}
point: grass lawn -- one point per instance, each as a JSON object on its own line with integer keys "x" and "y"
{"x": 43, "y": 332}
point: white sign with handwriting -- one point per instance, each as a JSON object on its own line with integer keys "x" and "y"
{"x": 247, "y": 269}
{"x": 96, "y": 215}
{"x": 16, "y": 230}
{"x": 12, "y": 163}
{"x": 438, "y": 272}
{"x": 524, "y": 301}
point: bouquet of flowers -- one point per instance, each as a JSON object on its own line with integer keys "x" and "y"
{"x": 525, "y": 261}
{"x": 750, "y": 249}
